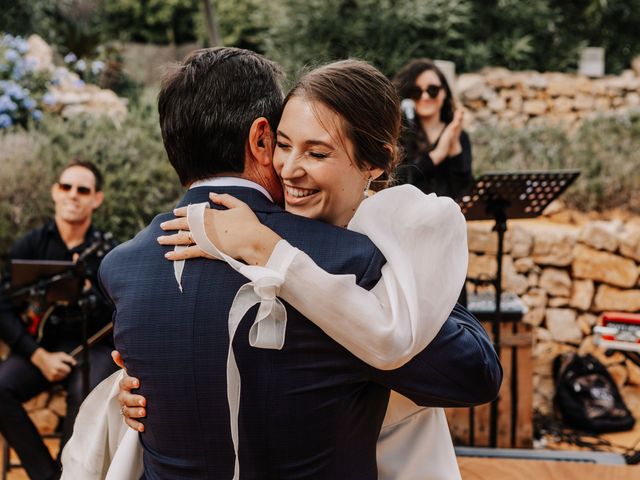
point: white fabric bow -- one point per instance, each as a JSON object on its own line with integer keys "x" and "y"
{"x": 269, "y": 326}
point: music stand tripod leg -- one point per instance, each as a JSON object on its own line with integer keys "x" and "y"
{"x": 500, "y": 228}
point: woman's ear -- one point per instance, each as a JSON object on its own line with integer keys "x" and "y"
{"x": 261, "y": 141}
{"x": 375, "y": 172}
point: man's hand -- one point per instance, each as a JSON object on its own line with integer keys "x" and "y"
{"x": 55, "y": 366}
{"x": 132, "y": 404}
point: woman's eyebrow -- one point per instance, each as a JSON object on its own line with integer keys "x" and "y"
{"x": 280, "y": 133}
{"x": 311, "y": 143}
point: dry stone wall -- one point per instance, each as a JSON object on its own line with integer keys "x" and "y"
{"x": 568, "y": 268}
{"x": 518, "y": 98}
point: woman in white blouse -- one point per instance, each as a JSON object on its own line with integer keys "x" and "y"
{"x": 329, "y": 150}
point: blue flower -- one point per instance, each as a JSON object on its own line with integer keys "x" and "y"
{"x": 36, "y": 115}
{"x": 97, "y": 66}
{"x": 30, "y": 64}
{"x": 18, "y": 71}
{"x": 6, "y": 104}
{"x": 29, "y": 103}
{"x": 11, "y": 55}
{"x": 5, "y": 120}
{"x": 21, "y": 45}
{"x": 70, "y": 57}
{"x": 81, "y": 65}
{"x": 49, "y": 99}
{"x": 15, "y": 91}
{"x": 79, "y": 83}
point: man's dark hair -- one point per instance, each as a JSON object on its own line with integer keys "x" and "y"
{"x": 207, "y": 104}
{"x": 79, "y": 162}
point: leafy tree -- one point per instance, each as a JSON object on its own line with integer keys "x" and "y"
{"x": 152, "y": 21}
{"x": 385, "y": 32}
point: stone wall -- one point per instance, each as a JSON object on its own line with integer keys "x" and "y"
{"x": 568, "y": 268}
{"x": 146, "y": 62}
{"x": 517, "y": 98}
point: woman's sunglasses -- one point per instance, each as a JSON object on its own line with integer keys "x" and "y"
{"x": 415, "y": 93}
{"x": 67, "y": 187}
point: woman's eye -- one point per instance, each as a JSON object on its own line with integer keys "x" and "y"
{"x": 282, "y": 145}
{"x": 318, "y": 155}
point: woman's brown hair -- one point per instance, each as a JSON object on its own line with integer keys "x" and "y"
{"x": 368, "y": 104}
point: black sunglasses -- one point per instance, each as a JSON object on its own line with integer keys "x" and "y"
{"x": 67, "y": 187}
{"x": 415, "y": 93}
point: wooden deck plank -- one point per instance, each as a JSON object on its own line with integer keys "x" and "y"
{"x": 473, "y": 468}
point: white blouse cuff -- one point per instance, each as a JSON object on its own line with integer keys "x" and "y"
{"x": 282, "y": 257}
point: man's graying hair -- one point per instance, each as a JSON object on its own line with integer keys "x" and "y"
{"x": 207, "y": 104}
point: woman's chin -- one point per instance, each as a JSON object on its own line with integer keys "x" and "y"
{"x": 302, "y": 210}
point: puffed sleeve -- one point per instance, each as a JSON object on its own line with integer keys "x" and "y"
{"x": 424, "y": 239}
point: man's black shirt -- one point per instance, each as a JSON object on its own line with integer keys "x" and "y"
{"x": 45, "y": 243}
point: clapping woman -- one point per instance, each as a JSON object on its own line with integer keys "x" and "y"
{"x": 437, "y": 149}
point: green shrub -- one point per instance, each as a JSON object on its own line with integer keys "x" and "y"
{"x": 605, "y": 149}
{"x": 139, "y": 181}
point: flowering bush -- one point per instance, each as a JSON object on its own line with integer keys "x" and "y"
{"x": 105, "y": 69}
{"x": 21, "y": 85}
{"x": 88, "y": 71}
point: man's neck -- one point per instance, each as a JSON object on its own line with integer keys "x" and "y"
{"x": 245, "y": 176}
{"x": 72, "y": 234}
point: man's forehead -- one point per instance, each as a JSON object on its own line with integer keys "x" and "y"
{"x": 79, "y": 175}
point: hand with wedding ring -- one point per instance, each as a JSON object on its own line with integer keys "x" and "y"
{"x": 235, "y": 231}
{"x": 132, "y": 406}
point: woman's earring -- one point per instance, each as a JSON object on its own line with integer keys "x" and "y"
{"x": 367, "y": 189}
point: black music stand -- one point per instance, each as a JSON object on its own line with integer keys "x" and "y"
{"x": 52, "y": 281}
{"x": 499, "y": 196}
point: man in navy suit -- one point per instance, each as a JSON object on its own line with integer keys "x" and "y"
{"x": 311, "y": 410}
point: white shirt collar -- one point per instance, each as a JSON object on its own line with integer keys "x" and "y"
{"x": 230, "y": 182}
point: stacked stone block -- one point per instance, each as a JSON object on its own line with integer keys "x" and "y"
{"x": 567, "y": 274}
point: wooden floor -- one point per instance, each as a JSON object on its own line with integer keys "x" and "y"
{"x": 508, "y": 469}
{"x": 19, "y": 473}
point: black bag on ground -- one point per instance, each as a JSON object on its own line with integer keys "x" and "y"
{"x": 587, "y": 397}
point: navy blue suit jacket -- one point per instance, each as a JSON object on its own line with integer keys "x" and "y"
{"x": 311, "y": 410}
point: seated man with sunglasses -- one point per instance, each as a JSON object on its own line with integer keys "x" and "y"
{"x": 33, "y": 367}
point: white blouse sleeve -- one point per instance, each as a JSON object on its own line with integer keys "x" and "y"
{"x": 424, "y": 240}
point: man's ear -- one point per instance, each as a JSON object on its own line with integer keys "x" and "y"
{"x": 98, "y": 198}
{"x": 261, "y": 141}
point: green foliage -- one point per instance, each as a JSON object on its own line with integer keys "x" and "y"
{"x": 139, "y": 181}
{"x": 605, "y": 149}
{"x": 545, "y": 35}
{"x": 76, "y": 25}
{"x": 385, "y": 32}
{"x": 242, "y": 23}
{"x": 151, "y": 21}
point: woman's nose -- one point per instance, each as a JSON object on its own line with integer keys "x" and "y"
{"x": 291, "y": 166}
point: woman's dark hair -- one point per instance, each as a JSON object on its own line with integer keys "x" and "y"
{"x": 207, "y": 104}
{"x": 368, "y": 104}
{"x": 406, "y": 78}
